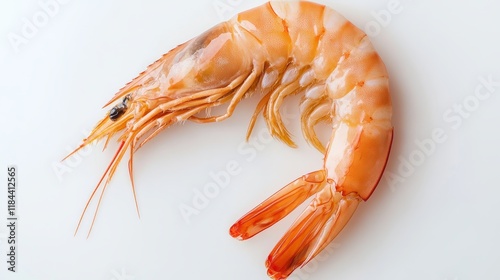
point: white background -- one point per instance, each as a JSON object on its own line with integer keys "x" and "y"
{"x": 438, "y": 218}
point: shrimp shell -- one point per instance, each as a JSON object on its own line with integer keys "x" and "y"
{"x": 273, "y": 51}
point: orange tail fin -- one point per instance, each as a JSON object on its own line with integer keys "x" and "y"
{"x": 278, "y": 205}
{"x": 318, "y": 225}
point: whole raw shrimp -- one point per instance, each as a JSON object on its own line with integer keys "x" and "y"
{"x": 273, "y": 51}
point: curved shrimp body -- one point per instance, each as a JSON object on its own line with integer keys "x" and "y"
{"x": 273, "y": 51}
{"x": 343, "y": 81}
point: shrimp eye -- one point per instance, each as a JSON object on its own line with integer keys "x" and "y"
{"x": 116, "y": 112}
{"x": 119, "y": 109}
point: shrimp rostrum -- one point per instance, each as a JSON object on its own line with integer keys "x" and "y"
{"x": 273, "y": 51}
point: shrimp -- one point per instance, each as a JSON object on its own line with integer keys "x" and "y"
{"x": 274, "y": 51}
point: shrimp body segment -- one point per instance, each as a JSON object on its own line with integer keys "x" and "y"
{"x": 274, "y": 51}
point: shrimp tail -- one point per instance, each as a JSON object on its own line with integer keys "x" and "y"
{"x": 278, "y": 205}
{"x": 318, "y": 225}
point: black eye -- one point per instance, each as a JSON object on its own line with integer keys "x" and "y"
{"x": 119, "y": 109}
{"x": 116, "y": 112}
